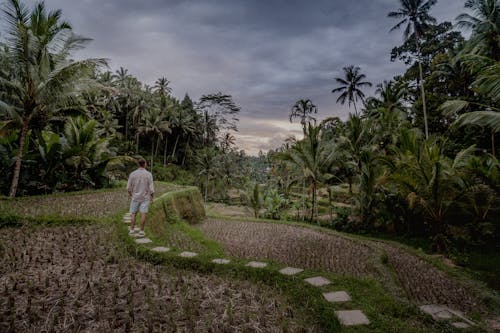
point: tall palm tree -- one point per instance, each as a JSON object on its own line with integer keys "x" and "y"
{"x": 415, "y": 15}
{"x": 351, "y": 86}
{"x": 485, "y": 25}
{"x": 303, "y": 109}
{"x": 41, "y": 78}
{"x": 310, "y": 156}
{"x": 155, "y": 124}
{"x": 162, "y": 88}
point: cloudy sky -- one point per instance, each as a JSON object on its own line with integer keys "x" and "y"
{"x": 265, "y": 53}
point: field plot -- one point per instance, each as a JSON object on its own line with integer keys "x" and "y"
{"x": 425, "y": 284}
{"x": 294, "y": 246}
{"x": 68, "y": 279}
{"x": 96, "y": 204}
{"x": 305, "y": 248}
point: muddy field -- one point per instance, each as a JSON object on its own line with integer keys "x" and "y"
{"x": 305, "y": 248}
{"x": 67, "y": 279}
{"x": 294, "y": 246}
{"x": 95, "y": 204}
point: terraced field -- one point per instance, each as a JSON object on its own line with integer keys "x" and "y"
{"x": 302, "y": 247}
{"x": 68, "y": 279}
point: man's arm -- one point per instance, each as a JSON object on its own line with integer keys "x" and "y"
{"x": 151, "y": 187}
{"x": 129, "y": 186}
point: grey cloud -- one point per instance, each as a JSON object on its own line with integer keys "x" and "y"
{"x": 266, "y": 53}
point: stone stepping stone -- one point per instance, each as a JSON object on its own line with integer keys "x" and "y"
{"x": 291, "y": 271}
{"x": 317, "y": 281}
{"x": 160, "y": 249}
{"x": 438, "y": 312}
{"x": 188, "y": 254}
{"x": 459, "y": 324}
{"x": 221, "y": 261}
{"x": 143, "y": 241}
{"x": 352, "y": 317}
{"x": 256, "y": 264}
{"x": 337, "y": 296}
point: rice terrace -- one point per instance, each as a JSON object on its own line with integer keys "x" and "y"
{"x": 325, "y": 166}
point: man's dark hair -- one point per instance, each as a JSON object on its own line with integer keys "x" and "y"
{"x": 141, "y": 162}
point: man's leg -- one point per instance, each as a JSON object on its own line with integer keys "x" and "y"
{"x": 133, "y": 213}
{"x": 132, "y": 221}
{"x": 143, "y": 221}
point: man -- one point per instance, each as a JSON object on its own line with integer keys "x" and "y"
{"x": 141, "y": 190}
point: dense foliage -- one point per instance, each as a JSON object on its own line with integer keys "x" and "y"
{"x": 67, "y": 125}
{"x": 420, "y": 157}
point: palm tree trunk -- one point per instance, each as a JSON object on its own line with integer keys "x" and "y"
{"x": 206, "y": 188}
{"x": 19, "y": 158}
{"x": 493, "y": 143}
{"x": 152, "y": 151}
{"x": 185, "y": 152}
{"x": 165, "y": 151}
{"x": 355, "y": 108}
{"x": 137, "y": 144}
{"x": 313, "y": 208}
{"x": 422, "y": 88}
{"x": 330, "y": 210}
{"x": 175, "y": 146}
{"x": 157, "y": 145}
{"x": 303, "y": 200}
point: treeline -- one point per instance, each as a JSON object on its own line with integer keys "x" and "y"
{"x": 419, "y": 158}
{"x": 68, "y": 125}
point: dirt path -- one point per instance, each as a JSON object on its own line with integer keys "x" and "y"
{"x": 404, "y": 274}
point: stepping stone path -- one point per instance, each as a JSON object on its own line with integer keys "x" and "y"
{"x": 187, "y": 254}
{"x": 256, "y": 264}
{"x": 291, "y": 271}
{"x": 317, "y": 281}
{"x": 352, "y": 317}
{"x": 143, "y": 241}
{"x": 459, "y": 324}
{"x": 347, "y": 318}
{"x": 221, "y": 261}
{"x": 442, "y": 312}
{"x": 337, "y": 296}
{"x": 160, "y": 249}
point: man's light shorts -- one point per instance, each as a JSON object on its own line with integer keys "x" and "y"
{"x": 141, "y": 206}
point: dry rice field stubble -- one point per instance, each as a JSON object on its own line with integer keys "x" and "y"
{"x": 76, "y": 279}
{"x": 293, "y": 246}
{"x": 90, "y": 205}
{"x": 425, "y": 284}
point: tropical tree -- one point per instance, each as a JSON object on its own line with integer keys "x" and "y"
{"x": 303, "y": 109}
{"x": 311, "y": 156}
{"x": 85, "y": 152}
{"x": 41, "y": 79}
{"x": 430, "y": 181}
{"x": 161, "y": 87}
{"x": 485, "y": 25}
{"x": 351, "y": 85}
{"x": 219, "y": 112}
{"x": 415, "y": 15}
{"x": 155, "y": 125}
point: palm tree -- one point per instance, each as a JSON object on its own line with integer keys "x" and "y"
{"x": 303, "y": 109}
{"x": 41, "y": 78}
{"x": 415, "y": 15}
{"x": 391, "y": 96}
{"x": 162, "y": 88}
{"x": 310, "y": 156}
{"x": 350, "y": 86}
{"x": 156, "y": 125}
{"x": 484, "y": 23}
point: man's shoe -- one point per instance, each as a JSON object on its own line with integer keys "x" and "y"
{"x": 141, "y": 233}
{"x": 131, "y": 232}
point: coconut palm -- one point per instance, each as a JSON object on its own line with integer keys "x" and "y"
{"x": 415, "y": 15}
{"x": 351, "y": 85}
{"x": 303, "y": 109}
{"x": 156, "y": 125}
{"x": 311, "y": 156}
{"x": 485, "y": 26}
{"x": 41, "y": 79}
